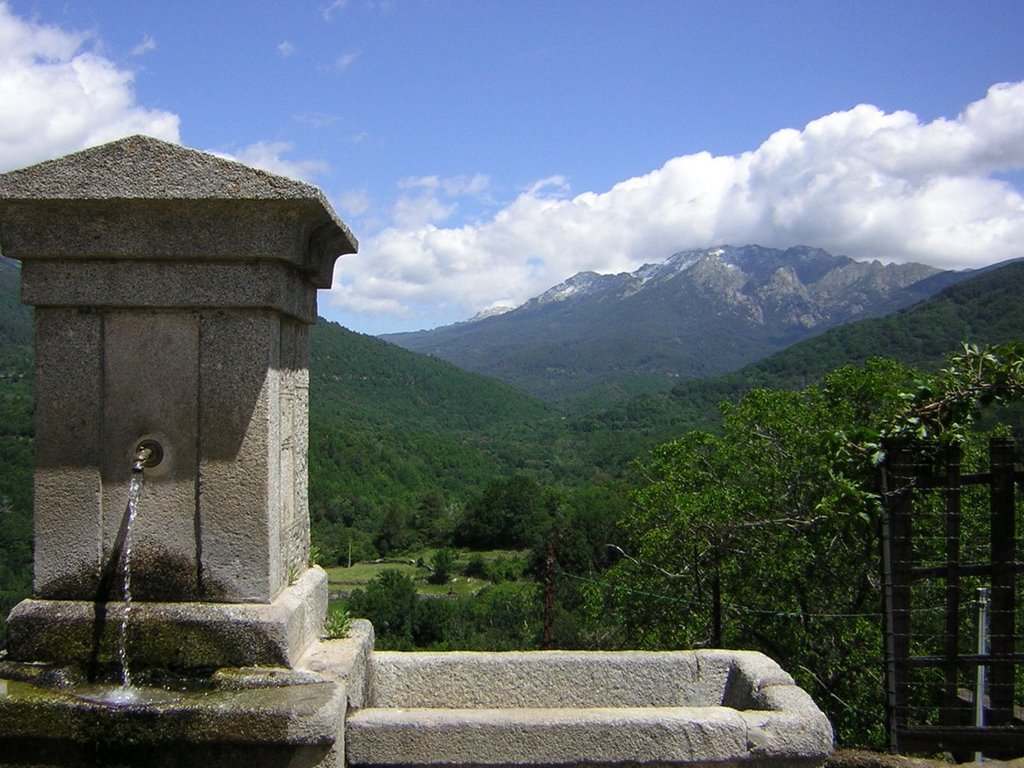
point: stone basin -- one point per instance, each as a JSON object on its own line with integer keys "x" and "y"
{"x": 266, "y": 717}
{"x": 680, "y": 708}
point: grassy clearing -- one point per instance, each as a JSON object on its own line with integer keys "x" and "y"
{"x": 459, "y": 586}
{"x": 361, "y": 574}
{"x": 509, "y": 563}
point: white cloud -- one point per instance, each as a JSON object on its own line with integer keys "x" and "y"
{"x": 316, "y": 120}
{"x": 430, "y": 200}
{"x": 344, "y": 61}
{"x": 148, "y": 44}
{"x": 862, "y": 182}
{"x": 268, "y": 156}
{"x": 453, "y": 186}
{"x": 353, "y": 203}
{"x": 333, "y": 7}
{"x": 286, "y": 48}
{"x": 57, "y": 96}
{"x": 411, "y": 213}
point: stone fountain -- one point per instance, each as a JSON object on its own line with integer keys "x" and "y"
{"x": 173, "y": 291}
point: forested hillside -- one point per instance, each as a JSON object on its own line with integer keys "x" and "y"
{"x": 16, "y": 450}
{"x": 401, "y": 439}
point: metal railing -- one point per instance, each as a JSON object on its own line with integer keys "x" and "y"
{"x": 945, "y": 535}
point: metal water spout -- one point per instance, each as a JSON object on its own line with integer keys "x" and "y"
{"x": 148, "y": 453}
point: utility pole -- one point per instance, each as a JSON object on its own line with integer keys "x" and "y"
{"x": 549, "y": 595}
{"x": 716, "y": 603}
{"x": 982, "y": 668}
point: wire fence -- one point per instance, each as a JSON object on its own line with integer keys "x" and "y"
{"x": 953, "y": 541}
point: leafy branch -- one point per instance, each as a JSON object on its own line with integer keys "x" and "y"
{"x": 944, "y": 408}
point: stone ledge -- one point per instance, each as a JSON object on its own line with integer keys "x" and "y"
{"x": 545, "y": 736}
{"x": 152, "y": 285}
{"x": 345, "y": 660}
{"x": 177, "y": 636}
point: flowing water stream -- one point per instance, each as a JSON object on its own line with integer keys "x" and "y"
{"x": 134, "y": 494}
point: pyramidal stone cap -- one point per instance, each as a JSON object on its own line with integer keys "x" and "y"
{"x": 120, "y": 200}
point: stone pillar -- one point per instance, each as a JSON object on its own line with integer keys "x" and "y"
{"x": 173, "y": 292}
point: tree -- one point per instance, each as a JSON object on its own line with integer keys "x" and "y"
{"x": 394, "y": 533}
{"x": 577, "y": 550}
{"x": 15, "y": 559}
{"x": 441, "y": 566}
{"x": 765, "y": 537}
{"x": 943, "y": 408}
{"x": 509, "y": 513}
{"x": 389, "y": 602}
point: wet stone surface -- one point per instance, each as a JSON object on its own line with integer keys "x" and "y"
{"x": 45, "y": 705}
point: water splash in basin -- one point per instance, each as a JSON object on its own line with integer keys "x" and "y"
{"x": 128, "y": 696}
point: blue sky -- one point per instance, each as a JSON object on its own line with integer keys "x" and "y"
{"x": 484, "y": 151}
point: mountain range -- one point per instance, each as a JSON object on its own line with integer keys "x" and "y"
{"x": 698, "y": 314}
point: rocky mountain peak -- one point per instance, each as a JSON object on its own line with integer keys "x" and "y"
{"x": 697, "y": 313}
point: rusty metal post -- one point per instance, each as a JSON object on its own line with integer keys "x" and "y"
{"x": 1003, "y": 595}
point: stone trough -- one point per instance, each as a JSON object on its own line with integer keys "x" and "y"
{"x": 253, "y": 717}
{"x": 706, "y": 708}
